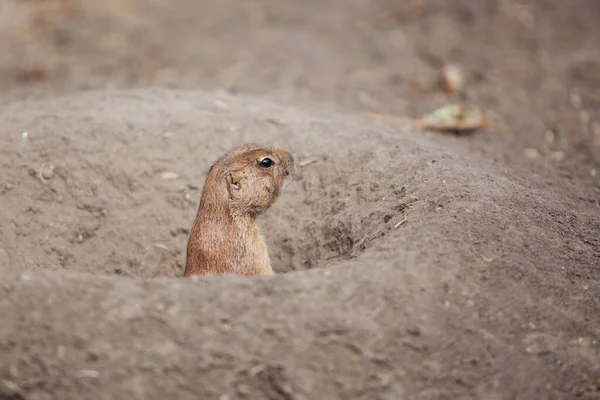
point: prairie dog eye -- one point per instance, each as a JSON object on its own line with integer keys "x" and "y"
{"x": 266, "y": 162}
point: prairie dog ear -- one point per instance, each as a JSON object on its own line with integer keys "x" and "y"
{"x": 234, "y": 181}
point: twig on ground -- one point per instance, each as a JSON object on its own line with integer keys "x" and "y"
{"x": 400, "y": 223}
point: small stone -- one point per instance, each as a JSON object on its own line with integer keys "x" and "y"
{"x": 47, "y": 171}
{"x": 169, "y": 175}
{"x": 593, "y": 172}
{"x": 327, "y": 272}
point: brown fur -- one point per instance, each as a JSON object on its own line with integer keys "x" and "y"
{"x": 225, "y": 238}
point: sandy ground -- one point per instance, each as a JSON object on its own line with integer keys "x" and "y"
{"x": 412, "y": 264}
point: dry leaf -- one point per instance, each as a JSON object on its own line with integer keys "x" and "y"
{"x": 453, "y": 117}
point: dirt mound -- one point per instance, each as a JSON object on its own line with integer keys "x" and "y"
{"x": 431, "y": 270}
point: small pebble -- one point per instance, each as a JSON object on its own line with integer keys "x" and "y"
{"x": 169, "y": 175}
{"x": 47, "y": 172}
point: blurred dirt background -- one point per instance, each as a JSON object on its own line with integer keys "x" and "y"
{"x": 532, "y": 65}
{"x": 458, "y": 266}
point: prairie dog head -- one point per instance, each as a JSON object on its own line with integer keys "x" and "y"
{"x": 254, "y": 177}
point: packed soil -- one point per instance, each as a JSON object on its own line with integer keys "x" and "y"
{"x": 411, "y": 264}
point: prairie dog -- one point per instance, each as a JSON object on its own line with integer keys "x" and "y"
{"x": 240, "y": 186}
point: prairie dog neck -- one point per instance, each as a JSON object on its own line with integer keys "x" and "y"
{"x": 242, "y": 236}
